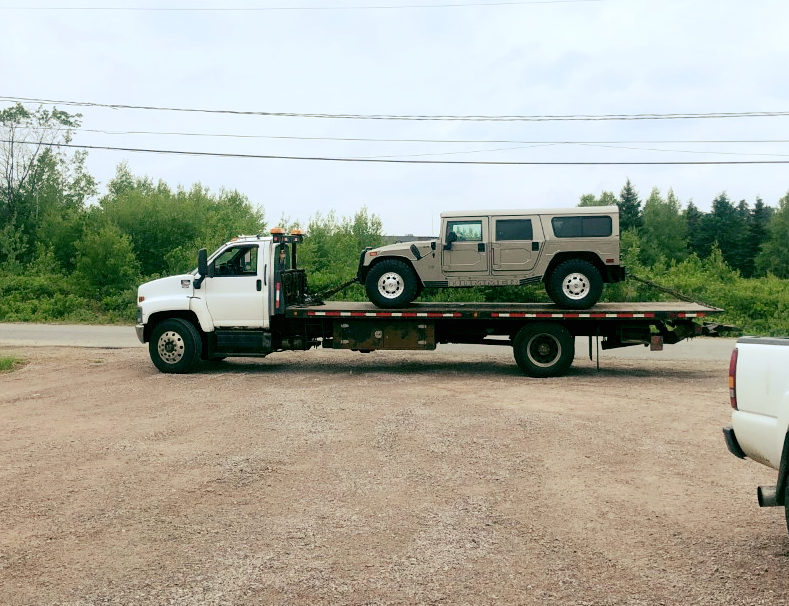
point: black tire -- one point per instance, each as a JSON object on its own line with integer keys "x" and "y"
{"x": 544, "y": 350}
{"x": 175, "y": 346}
{"x": 786, "y": 505}
{"x": 391, "y": 283}
{"x": 575, "y": 284}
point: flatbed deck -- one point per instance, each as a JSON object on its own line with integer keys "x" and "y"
{"x": 492, "y": 311}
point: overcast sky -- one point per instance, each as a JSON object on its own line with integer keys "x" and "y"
{"x": 557, "y": 58}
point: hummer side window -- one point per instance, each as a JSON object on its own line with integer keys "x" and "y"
{"x": 238, "y": 261}
{"x": 514, "y": 229}
{"x": 466, "y": 231}
{"x": 582, "y": 227}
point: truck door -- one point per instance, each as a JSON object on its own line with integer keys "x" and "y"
{"x": 516, "y": 244}
{"x": 236, "y": 295}
{"x": 466, "y": 248}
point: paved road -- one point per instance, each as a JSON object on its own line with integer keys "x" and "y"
{"x": 85, "y": 335}
{"x": 68, "y": 335}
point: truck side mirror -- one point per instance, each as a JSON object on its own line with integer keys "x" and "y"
{"x": 451, "y": 237}
{"x": 202, "y": 267}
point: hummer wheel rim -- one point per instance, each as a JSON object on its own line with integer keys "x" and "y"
{"x": 575, "y": 286}
{"x": 390, "y": 285}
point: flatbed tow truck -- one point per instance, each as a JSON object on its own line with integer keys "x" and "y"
{"x": 249, "y": 299}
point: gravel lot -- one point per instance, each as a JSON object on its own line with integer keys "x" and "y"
{"x": 388, "y": 478}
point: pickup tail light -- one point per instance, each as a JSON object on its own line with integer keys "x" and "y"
{"x": 733, "y": 379}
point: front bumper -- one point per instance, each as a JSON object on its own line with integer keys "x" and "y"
{"x": 140, "y": 329}
{"x": 731, "y": 442}
{"x": 361, "y": 271}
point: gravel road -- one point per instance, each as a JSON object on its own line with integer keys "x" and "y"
{"x": 389, "y": 478}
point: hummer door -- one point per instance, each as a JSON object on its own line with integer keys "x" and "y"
{"x": 517, "y": 244}
{"x": 466, "y": 247}
{"x": 236, "y": 295}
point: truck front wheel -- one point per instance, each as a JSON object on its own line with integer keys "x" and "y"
{"x": 575, "y": 284}
{"x": 175, "y": 346}
{"x": 544, "y": 350}
{"x": 391, "y": 283}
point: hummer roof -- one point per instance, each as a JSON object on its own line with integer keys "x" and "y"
{"x": 577, "y": 210}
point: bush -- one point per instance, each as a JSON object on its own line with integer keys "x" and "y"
{"x": 54, "y": 298}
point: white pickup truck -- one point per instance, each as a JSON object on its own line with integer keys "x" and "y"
{"x": 759, "y": 393}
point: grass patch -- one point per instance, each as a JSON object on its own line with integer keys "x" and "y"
{"x": 10, "y": 363}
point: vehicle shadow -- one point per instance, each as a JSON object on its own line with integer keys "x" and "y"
{"x": 477, "y": 366}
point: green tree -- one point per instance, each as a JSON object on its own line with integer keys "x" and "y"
{"x": 664, "y": 231}
{"x": 696, "y": 230}
{"x": 726, "y": 226}
{"x": 758, "y": 231}
{"x": 587, "y": 200}
{"x": 606, "y": 198}
{"x": 37, "y": 178}
{"x": 330, "y": 253}
{"x": 167, "y": 228}
{"x": 106, "y": 260}
{"x": 774, "y": 255}
{"x": 629, "y": 207}
{"x": 743, "y": 252}
{"x": 59, "y": 233}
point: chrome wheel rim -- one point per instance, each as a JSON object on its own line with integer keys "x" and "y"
{"x": 575, "y": 286}
{"x": 171, "y": 347}
{"x": 543, "y": 350}
{"x": 390, "y": 285}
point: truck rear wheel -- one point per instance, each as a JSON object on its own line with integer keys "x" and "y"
{"x": 575, "y": 284}
{"x": 544, "y": 350}
{"x": 175, "y": 346}
{"x": 391, "y": 283}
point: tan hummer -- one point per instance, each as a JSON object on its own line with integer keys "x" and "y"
{"x": 574, "y": 251}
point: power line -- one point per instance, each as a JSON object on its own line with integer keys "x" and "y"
{"x": 392, "y": 161}
{"x": 288, "y": 8}
{"x": 681, "y": 151}
{"x": 471, "y": 118}
{"x": 379, "y": 140}
{"x": 528, "y": 144}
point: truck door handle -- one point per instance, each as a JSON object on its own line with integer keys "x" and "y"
{"x": 260, "y": 286}
{"x": 481, "y": 247}
{"x": 265, "y": 271}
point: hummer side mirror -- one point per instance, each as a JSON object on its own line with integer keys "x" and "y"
{"x": 451, "y": 237}
{"x": 202, "y": 267}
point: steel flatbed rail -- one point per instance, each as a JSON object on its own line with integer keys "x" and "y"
{"x": 493, "y": 311}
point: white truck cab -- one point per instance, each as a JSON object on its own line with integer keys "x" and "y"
{"x": 231, "y": 296}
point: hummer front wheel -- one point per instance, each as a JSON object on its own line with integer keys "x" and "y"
{"x": 391, "y": 283}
